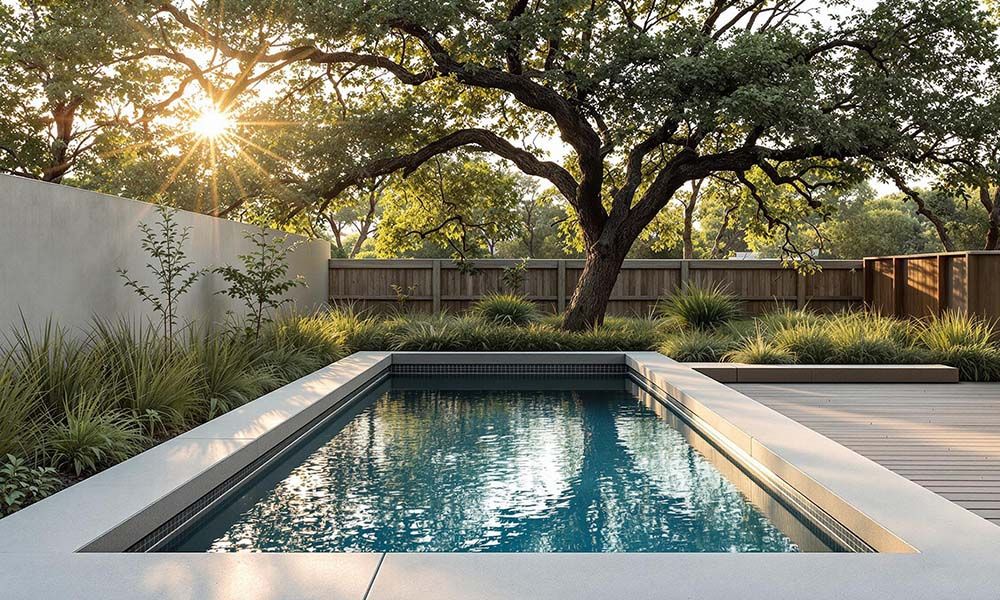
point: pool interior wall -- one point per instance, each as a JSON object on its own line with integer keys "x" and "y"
{"x": 286, "y": 506}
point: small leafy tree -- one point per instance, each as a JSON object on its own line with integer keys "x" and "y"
{"x": 262, "y": 282}
{"x": 164, "y": 243}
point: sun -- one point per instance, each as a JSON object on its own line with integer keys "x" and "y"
{"x": 211, "y": 124}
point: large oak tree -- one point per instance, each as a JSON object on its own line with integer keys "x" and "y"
{"x": 642, "y": 97}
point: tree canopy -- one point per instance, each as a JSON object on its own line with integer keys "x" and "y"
{"x": 620, "y": 106}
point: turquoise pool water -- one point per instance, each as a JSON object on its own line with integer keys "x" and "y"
{"x": 468, "y": 464}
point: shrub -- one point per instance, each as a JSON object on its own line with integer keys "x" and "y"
{"x": 505, "y": 309}
{"x": 962, "y": 341}
{"x": 785, "y": 318}
{"x": 696, "y": 346}
{"x": 149, "y": 377}
{"x": 809, "y": 342}
{"x": 700, "y": 307}
{"x": 21, "y": 484}
{"x": 759, "y": 350}
{"x": 230, "y": 371}
{"x": 94, "y": 436}
{"x": 955, "y": 329}
{"x": 262, "y": 282}
{"x": 65, "y": 366}
{"x": 357, "y": 332}
{"x": 21, "y": 395}
{"x": 868, "y": 338}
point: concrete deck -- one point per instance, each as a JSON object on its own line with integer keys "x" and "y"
{"x": 929, "y": 548}
{"x": 944, "y": 437}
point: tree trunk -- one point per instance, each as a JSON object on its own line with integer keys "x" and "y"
{"x": 590, "y": 300}
{"x": 686, "y": 233}
{"x": 689, "y": 206}
{"x": 992, "y": 206}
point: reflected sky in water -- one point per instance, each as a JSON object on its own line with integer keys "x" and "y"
{"x": 504, "y": 471}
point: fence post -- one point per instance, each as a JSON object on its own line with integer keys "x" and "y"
{"x": 436, "y": 286}
{"x": 800, "y": 290}
{"x": 868, "y": 270}
{"x": 685, "y": 271}
{"x": 898, "y": 286}
{"x": 561, "y": 286}
{"x": 942, "y": 283}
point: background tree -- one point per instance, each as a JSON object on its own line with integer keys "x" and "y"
{"x": 787, "y": 100}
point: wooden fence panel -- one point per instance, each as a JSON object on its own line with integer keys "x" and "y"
{"x": 427, "y": 285}
{"x": 927, "y": 284}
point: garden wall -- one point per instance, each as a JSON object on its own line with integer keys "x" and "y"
{"x": 919, "y": 285}
{"x": 60, "y": 248}
{"x": 432, "y": 285}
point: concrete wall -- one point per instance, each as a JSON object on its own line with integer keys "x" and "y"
{"x": 60, "y": 248}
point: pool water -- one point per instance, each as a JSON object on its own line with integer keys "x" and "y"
{"x": 469, "y": 464}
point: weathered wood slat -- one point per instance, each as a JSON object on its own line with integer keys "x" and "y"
{"x": 762, "y": 285}
{"x": 944, "y": 437}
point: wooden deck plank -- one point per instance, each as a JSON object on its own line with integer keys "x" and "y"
{"x": 945, "y": 437}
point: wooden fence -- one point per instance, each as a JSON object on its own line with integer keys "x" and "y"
{"x": 433, "y": 285}
{"x": 924, "y": 284}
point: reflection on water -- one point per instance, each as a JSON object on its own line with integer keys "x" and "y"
{"x": 508, "y": 471}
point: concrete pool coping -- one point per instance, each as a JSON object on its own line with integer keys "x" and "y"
{"x": 957, "y": 553}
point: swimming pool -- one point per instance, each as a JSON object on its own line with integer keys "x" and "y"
{"x": 504, "y": 463}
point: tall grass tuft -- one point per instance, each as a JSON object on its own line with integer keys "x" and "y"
{"x": 505, "y": 309}
{"x": 809, "y": 342}
{"x": 759, "y": 350}
{"x": 784, "y": 317}
{"x": 153, "y": 379}
{"x": 231, "y": 371}
{"x": 21, "y": 402}
{"x": 93, "y": 435}
{"x": 696, "y": 346}
{"x": 65, "y": 365}
{"x": 869, "y": 338}
{"x": 700, "y": 307}
{"x": 963, "y": 341}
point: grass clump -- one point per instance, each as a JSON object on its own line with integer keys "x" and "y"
{"x": 963, "y": 341}
{"x": 869, "y": 338}
{"x": 696, "y": 346}
{"x": 808, "y": 342}
{"x": 700, "y": 307}
{"x": 506, "y": 309}
{"x": 759, "y": 350}
{"x": 93, "y": 436}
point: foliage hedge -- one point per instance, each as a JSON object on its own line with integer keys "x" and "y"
{"x": 71, "y": 405}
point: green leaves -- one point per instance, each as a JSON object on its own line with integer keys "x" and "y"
{"x": 262, "y": 282}
{"x": 168, "y": 266}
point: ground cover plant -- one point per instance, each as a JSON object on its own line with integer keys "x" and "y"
{"x": 74, "y": 403}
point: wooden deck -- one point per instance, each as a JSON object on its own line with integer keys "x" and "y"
{"x": 946, "y": 437}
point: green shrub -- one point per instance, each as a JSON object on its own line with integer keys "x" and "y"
{"x": 696, "y": 346}
{"x": 955, "y": 329}
{"x": 761, "y": 351}
{"x": 809, "y": 342}
{"x": 357, "y": 332}
{"x": 869, "y": 338}
{"x": 700, "y": 307}
{"x": 94, "y": 436}
{"x": 21, "y": 405}
{"x": 505, "y": 309}
{"x": 426, "y": 335}
{"x": 962, "y": 341}
{"x": 784, "y": 317}
{"x": 21, "y": 484}
{"x": 65, "y": 365}
{"x": 230, "y": 371}
{"x": 151, "y": 378}
{"x": 974, "y": 363}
